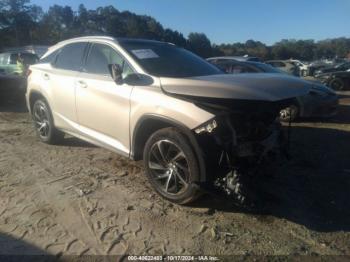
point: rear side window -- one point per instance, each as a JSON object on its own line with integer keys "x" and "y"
{"x": 71, "y": 57}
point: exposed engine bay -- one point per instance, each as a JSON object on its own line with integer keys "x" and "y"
{"x": 239, "y": 140}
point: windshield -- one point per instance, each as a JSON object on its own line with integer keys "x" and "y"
{"x": 166, "y": 60}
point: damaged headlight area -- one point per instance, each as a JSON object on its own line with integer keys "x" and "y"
{"x": 207, "y": 127}
{"x": 243, "y": 136}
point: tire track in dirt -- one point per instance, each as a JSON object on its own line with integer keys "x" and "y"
{"x": 78, "y": 199}
{"x": 40, "y": 212}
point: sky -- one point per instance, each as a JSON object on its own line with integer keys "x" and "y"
{"x": 229, "y": 21}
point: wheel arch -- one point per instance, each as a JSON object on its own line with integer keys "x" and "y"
{"x": 33, "y": 96}
{"x": 150, "y": 123}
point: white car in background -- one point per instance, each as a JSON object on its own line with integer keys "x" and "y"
{"x": 303, "y": 67}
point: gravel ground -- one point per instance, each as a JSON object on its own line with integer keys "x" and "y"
{"x": 76, "y": 198}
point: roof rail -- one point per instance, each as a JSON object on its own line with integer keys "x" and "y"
{"x": 87, "y": 38}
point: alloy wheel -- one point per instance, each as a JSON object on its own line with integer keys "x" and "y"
{"x": 41, "y": 119}
{"x": 337, "y": 84}
{"x": 169, "y": 167}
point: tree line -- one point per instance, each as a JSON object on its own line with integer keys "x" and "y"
{"x": 22, "y": 23}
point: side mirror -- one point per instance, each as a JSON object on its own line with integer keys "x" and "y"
{"x": 116, "y": 72}
{"x": 138, "y": 80}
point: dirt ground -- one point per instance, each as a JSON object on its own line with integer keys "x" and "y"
{"x": 76, "y": 198}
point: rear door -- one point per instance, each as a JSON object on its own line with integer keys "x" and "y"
{"x": 62, "y": 80}
{"x": 103, "y": 107}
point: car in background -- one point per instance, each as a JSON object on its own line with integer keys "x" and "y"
{"x": 237, "y": 67}
{"x": 9, "y": 63}
{"x": 303, "y": 67}
{"x": 286, "y": 66}
{"x": 315, "y": 66}
{"x": 237, "y": 58}
{"x": 336, "y": 80}
{"x": 343, "y": 67}
{"x": 13, "y": 72}
{"x": 319, "y": 102}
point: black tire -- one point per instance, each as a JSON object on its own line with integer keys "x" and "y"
{"x": 337, "y": 84}
{"x": 290, "y": 113}
{"x": 44, "y": 124}
{"x": 167, "y": 155}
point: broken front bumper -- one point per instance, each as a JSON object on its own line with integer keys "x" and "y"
{"x": 224, "y": 151}
{"x": 272, "y": 143}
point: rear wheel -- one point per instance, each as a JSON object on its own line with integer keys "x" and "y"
{"x": 44, "y": 124}
{"x": 337, "y": 84}
{"x": 171, "y": 166}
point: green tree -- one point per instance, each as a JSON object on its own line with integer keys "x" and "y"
{"x": 18, "y": 19}
{"x": 200, "y": 44}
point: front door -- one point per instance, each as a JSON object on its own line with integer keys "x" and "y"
{"x": 103, "y": 106}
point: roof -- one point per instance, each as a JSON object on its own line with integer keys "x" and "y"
{"x": 110, "y": 38}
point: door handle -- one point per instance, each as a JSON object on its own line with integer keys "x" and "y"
{"x": 46, "y": 77}
{"x": 82, "y": 84}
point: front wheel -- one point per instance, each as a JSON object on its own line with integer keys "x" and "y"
{"x": 43, "y": 123}
{"x": 171, "y": 166}
{"x": 337, "y": 84}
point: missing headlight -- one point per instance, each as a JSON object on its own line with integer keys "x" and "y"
{"x": 207, "y": 127}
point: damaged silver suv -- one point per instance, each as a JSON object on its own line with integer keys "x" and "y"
{"x": 191, "y": 124}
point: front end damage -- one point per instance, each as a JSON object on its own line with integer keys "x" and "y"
{"x": 245, "y": 134}
{"x": 242, "y": 140}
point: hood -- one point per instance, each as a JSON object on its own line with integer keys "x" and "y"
{"x": 321, "y": 87}
{"x": 262, "y": 87}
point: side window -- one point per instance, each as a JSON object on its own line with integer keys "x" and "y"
{"x": 5, "y": 58}
{"x": 223, "y": 67}
{"x": 228, "y": 68}
{"x": 13, "y": 59}
{"x": 71, "y": 57}
{"x": 50, "y": 58}
{"x": 237, "y": 69}
{"x": 101, "y": 56}
{"x": 247, "y": 69}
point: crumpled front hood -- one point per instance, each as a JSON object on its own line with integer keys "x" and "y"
{"x": 260, "y": 86}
